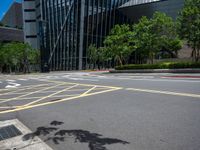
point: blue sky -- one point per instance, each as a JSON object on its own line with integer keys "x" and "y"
{"x": 4, "y": 6}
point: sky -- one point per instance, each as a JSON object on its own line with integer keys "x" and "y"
{"x": 5, "y": 5}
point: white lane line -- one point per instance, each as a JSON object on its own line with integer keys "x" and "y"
{"x": 82, "y": 79}
{"x": 78, "y": 78}
{"x": 164, "y": 92}
{"x": 23, "y": 79}
{"x": 159, "y": 80}
{"x": 10, "y": 80}
{"x": 34, "y": 78}
{"x": 12, "y": 85}
{"x": 140, "y": 77}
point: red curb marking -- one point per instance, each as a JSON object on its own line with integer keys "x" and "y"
{"x": 194, "y": 77}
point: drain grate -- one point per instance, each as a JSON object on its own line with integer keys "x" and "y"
{"x": 9, "y": 132}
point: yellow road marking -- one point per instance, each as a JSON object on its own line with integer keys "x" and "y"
{"x": 28, "y": 98}
{"x": 85, "y": 93}
{"x": 50, "y": 95}
{"x": 164, "y": 92}
{"x": 78, "y": 90}
{"x": 11, "y": 99}
{"x": 73, "y": 96}
{"x": 101, "y": 88}
{"x": 41, "y": 92}
{"x": 22, "y": 88}
{"x": 83, "y": 84}
{"x": 62, "y": 100}
{"x": 8, "y": 107}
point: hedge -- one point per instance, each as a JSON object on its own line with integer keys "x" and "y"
{"x": 168, "y": 65}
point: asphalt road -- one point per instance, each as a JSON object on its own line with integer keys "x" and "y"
{"x": 102, "y": 111}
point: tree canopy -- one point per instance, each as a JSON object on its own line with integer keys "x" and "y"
{"x": 155, "y": 35}
{"x": 118, "y": 43}
{"x": 189, "y": 25}
{"x": 150, "y": 38}
{"x": 17, "y": 57}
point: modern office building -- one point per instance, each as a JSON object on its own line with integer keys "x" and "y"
{"x": 13, "y": 17}
{"x": 64, "y": 29}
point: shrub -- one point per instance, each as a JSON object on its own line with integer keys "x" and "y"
{"x": 166, "y": 65}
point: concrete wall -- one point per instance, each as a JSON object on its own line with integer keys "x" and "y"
{"x": 30, "y": 24}
{"x": 11, "y": 34}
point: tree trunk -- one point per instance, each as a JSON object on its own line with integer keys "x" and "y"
{"x": 198, "y": 55}
{"x": 94, "y": 65}
{"x": 10, "y": 69}
{"x": 89, "y": 65}
{"x": 1, "y": 68}
{"x": 120, "y": 61}
{"x": 151, "y": 58}
{"x": 194, "y": 52}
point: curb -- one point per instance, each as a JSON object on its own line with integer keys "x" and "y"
{"x": 157, "y": 71}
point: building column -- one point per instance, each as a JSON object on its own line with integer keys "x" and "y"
{"x": 81, "y": 34}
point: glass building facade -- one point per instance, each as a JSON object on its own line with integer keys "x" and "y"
{"x": 66, "y": 28}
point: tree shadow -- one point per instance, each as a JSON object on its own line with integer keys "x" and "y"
{"x": 95, "y": 141}
{"x": 40, "y": 131}
{"x": 56, "y": 135}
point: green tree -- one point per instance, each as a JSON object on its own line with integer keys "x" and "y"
{"x": 17, "y": 56}
{"x": 156, "y": 34}
{"x": 92, "y": 55}
{"x": 1, "y": 57}
{"x": 118, "y": 43}
{"x": 8, "y": 56}
{"x": 146, "y": 40}
{"x": 166, "y": 32}
{"x": 104, "y": 54}
{"x": 189, "y": 25}
{"x": 104, "y": 57}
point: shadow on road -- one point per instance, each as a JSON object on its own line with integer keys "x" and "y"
{"x": 56, "y": 135}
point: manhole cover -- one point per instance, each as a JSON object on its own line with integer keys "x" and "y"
{"x": 8, "y": 132}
